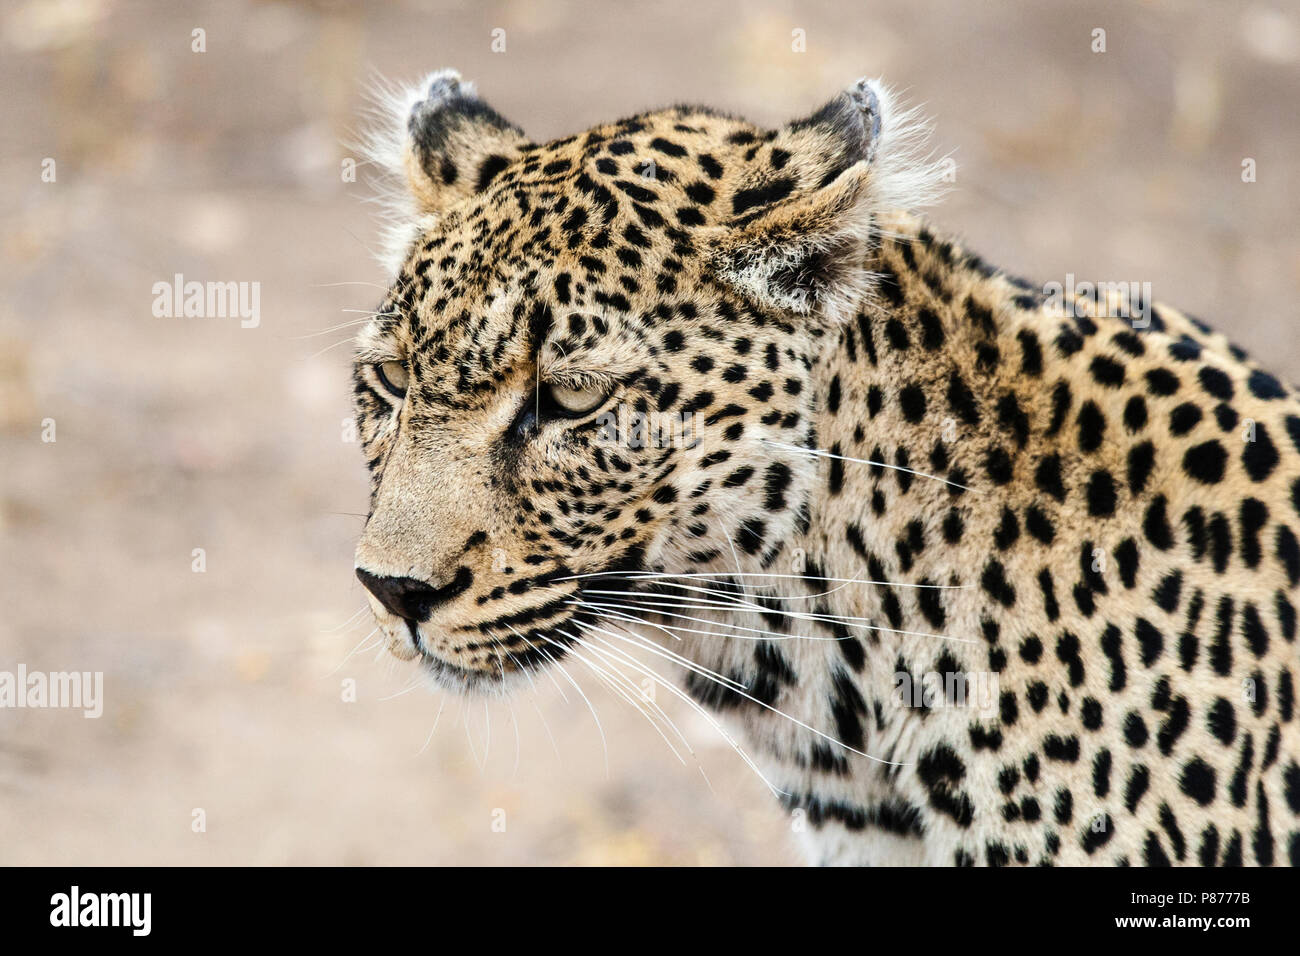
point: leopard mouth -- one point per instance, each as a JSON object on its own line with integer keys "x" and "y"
{"x": 525, "y": 641}
{"x": 516, "y": 657}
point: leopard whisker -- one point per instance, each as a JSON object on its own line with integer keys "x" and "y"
{"x": 358, "y": 649}
{"x": 437, "y": 717}
{"x": 534, "y": 647}
{"x": 331, "y": 285}
{"x": 650, "y": 575}
{"x": 814, "y": 730}
{"x": 713, "y": 722}
{"x": 469, "y": 736}
{"x": 675, "y": 658}
{"x": 770, "y": 597}
{"x": 610, "y": 678}
{"x": 348, "y": 623}
{"x": 758, "y": 609}
{"x": 414, "y": 683}
{"x": 340, "y": 327}
{"x": 763, "y": 635}
{"x": 822, "y": 453}
{"x": 567, "y": 676}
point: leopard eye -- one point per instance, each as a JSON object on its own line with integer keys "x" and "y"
{"x": 576, "y": 401}
{"x": 393, "y": 376}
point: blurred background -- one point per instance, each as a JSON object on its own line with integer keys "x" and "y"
{"x": 227, "y": 689}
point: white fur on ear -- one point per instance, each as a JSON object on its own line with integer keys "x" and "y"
{"x": 433, "y": 147}
{"x": 384, "y": 145}
{"x": 905, "y": 173}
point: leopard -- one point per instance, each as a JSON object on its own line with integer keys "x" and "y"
{"x": 972, "y": 570}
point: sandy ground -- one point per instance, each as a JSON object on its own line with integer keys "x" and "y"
{"x": 225, "y": 691}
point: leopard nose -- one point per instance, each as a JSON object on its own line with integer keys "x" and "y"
{"x": 410, "y": 598}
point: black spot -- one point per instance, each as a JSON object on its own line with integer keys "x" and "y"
{"x": 1135, "y": 730}
{"x": 1216, "y": 383}
{"x": 941, "y": 771}
{"x": 1106, "y": 371}
{"x": 776, "y": 481}
{"x": 1141, "y": 459}
{"x": 932, "y": 336}
{"x": 1101, "y": 773}
{"x": 1152, "y": 853}
{"x": 1260, "y": 456}
{"x": 1265, "y": 386}
{"x": 1197, "y": 781}
{"x": 1065, "y": 749}
{"x": 1061, "y": 401}
{"x": 1136, "y": 787}
{"x": 750, "y": 535}
{"x": 1209, "y": 851}
{"x": 1167, "y": 591}
{"x": 1252, "y": 629}
{"x": 1185, "y": 349}
{"x": 1111, "y": 646}
{"x": 1008, "y": 530}
{"x": 1050, "y": 606}
{"x": 1156, "y": 525}
{"x": 847, "y": 709}
{"x": 998, "y": 466}
{"x": 953, "y": 526}
{"x": 1036, "y": 694}
{"x": 897, "y": 334}
{"x": 1048, "y": 477}
{"x": 1222, "y": 721}
{"x": 487, "y": 172}
{"x": 1101, "y": 495}
{"x": 1092, "y": 427}
{"x": 1135, "y": 414}
{"x": 710, "y": 165}
{"x": 1012, "y": 417}
{"x": 912, "y": 400}
{"x": 1038, "y": 524}
{"x": 1090, "y": 712}
{"x": 1063, "y": 809}
{"x": 746, "y": 199}
{"x": 995, "y": 583}
{"x": 1220, "y": 542}
{"x": 962, "y": 400}
{"x": 1161, "y": 381}
{"x": 1291, "y": 787}
{"x": 1184, "y": 418}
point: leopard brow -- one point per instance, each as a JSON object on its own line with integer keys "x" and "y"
{"x": 375, "y": 354}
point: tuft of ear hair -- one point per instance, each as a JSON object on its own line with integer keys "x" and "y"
{"x": 436, "y": 144}
{"x": 856, "y": 159}
{"x": 805, "y": 256}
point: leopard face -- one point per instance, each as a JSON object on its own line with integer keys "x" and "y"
{"x": 592, "y": 358}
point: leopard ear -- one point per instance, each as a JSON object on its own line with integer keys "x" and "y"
{"x": 804, "y": 249}
{"x": 455, "y": 143}
{"x": 846, "y": 130}
{"x": 806, "y": 255}
{"x": 438, "y": 145}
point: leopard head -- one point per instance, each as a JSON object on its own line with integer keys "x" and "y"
{"x": 595, "y": 356}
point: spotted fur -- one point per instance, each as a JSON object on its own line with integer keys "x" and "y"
{"x": 937, "y": 471}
